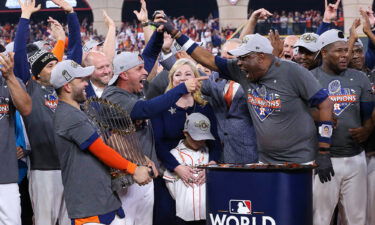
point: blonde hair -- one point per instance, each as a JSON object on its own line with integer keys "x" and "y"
{"x": 197, "y": 95}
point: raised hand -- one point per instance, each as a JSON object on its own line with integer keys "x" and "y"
{"x": 366, "y": 21}
{"x": 142, "y": 15}
{"x": 276, "y": 43}
{"x": 57, "y": 30}
{"x": 64, "y": 5}
{"x": 6, "y": 65}
{"x": 28, "y": 8}
{"x": 353, "y": 28}
{"x": 330, "y": 12}
{"x": 260, "y": 14}
{"x": 108, "y": 20}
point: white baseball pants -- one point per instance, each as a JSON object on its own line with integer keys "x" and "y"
{"x": 46, "y": 194}
{"x": 348, "y": 188}
{"x": 370, "y": 190}
{"x": 138, "y": 203}
{"x": 10, "y": 204}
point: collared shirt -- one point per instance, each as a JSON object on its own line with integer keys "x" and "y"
{"x": 98, "y": 91}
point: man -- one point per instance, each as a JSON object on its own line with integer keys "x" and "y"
{"x": 289, "y": 42}
{"x": 350, "y": 91}
{"x": 278, "y": 94}
{"x": 102, "y": 74}
{"x": 125, "y": 89}
{"x": 307, "y": 51}
{"x": 12, "y": 96}
{"x": 83, "y": 156}
{"x": 45, "y": 184}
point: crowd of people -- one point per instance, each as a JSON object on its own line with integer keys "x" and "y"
{"x": 195, "y": 97}
{"x": 288, "y": 23}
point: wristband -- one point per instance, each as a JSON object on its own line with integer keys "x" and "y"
{"x": 325, "y": 129}
{"x": 187, "y": 44}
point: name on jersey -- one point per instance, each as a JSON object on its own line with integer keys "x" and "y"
{"x": 342, "y": 97}
{"x": 263, "y": 103}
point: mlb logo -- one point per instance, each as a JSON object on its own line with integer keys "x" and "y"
{"x": 240, "y": 206}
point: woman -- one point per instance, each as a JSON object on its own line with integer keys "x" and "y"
{"x": 168, "y": 129}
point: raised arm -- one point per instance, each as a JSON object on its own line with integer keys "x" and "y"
{"x": 75, "y": 43}
{"x": 21, "y": 100}
{"x": 21, "y": 65}
{"x": 58, "y": 33}
{"x": 249, "y": 27}
{"x": 368, "y": 23}
{"x": 330, "y": 14}
{"x": 151, "y": 52}
{"x": 142, "y": 16}
{"x": 353, "y": 38}
{"x": 109, "y": 46}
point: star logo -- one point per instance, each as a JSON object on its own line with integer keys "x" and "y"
{"x": 172, "y": 110}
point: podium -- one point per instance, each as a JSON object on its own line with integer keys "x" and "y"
{"x": 259, "y": 194}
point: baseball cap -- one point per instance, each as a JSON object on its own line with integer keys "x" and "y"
{"x": 253, "y": 43}
{"x": 199, "y": 127}
{"x": 329, "y": 37}
{"x": 66, "y": 71}
{"x": 308, "y": 41}
{"x": 359, "y": 43}
{"x": 123, "y": 62}
{"x": 91, "y": 44}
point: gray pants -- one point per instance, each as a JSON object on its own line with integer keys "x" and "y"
{"x": 348, "y": 188}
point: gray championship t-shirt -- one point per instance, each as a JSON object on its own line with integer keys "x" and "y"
{"x": 346, "y": 90}
{"x": 39, "y": 127}
{"x": 8, "y": 157}
{"x": 87, "y": 181}
{"x": 144, "y": 129}
{"x": 278, "y": 104}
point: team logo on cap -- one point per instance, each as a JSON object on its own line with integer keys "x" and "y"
{"x": 74, "y": 64}
{"x": 66, "y": 75}
{"x": 342, "y": 97}
{"x": 263, "y": 103}
{"x": 4, "y": 107}
{"x": 308, "y": 38}
{"x": 202, "y": 125}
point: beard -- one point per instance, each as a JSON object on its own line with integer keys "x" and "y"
{"x": 79, "y": 96}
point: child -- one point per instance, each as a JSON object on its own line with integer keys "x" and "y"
{"x": 190, "y": 195}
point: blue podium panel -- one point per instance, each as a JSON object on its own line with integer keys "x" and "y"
{"x": 259, "y": 197}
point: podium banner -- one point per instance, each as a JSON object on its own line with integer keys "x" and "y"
{"x": 259, "y": 196}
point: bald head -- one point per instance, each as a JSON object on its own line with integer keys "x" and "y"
{"x": 289, "y": 42}
{"x": 103, "y": 68}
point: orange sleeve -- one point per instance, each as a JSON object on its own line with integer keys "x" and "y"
{"x": 110, "y": 157}
{"x": 59, "y": 49}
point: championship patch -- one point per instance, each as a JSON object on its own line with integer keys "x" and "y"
{"x": 342, "y": 97}
{"x": 51, "y": 101}
{"x": 263, "y": 103}
{"x": 4, "y": 107}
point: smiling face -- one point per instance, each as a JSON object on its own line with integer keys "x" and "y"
{"x": 78, "y": 86}
{"x": 306, "y": 58}
{"x": 358, "y": 60}
{"x": 103, "y": 70}
{"x": 182, "y": 74}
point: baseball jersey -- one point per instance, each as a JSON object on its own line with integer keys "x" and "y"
{"x": 39, "y": 127}
{"x": 86, "y": 180}
{"x": 190, "y": 201}
{"x": 279, "y": 106}
{"x": 8, "y": 157}
{"x": 347, "y": 90}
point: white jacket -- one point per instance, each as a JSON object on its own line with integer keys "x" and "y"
{"x": 190, "y": 201}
